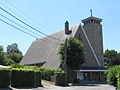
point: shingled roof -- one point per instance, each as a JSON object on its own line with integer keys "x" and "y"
{"x": 42, "y": 51}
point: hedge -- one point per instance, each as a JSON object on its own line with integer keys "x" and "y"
{"x": 22, "y": 78}
{"x": 38, "y": 79}
{"x": 48, "y": 72}
{"x": 60, "y": 79}
{"x": 4, "y": 78}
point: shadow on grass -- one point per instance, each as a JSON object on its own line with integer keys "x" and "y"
{"x": 32, "y": 87}
{"x": 6, "y": 89}
{"x": 25, "y": 87}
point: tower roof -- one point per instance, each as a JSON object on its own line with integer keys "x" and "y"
{"x": 94, "y": 18}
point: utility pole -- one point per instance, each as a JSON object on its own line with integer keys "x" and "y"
{"x": 65, "y": 60}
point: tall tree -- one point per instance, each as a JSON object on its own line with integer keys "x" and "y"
{"x": 14, "y": 53}
{"x": 74, "y": 53}
{"x": 4, "y": 60}
{"x": 1, "y": 55}
{"x": 13, "y": 48}
{"x": 110, "y": 55}
{"x": 72, "y": 56}
{"x": 114, "y": 61}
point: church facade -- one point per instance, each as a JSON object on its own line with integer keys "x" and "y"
{"x": 90, "y": 33}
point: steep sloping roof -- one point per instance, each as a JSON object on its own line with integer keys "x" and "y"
{"x": 42, "y": 51}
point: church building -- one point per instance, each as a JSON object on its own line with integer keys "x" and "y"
{"x": 44, "y": 51}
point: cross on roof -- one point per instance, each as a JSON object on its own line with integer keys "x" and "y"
{"x": 91, "y": 12}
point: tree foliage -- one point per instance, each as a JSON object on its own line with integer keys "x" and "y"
{"x": 74, "y": 53}
{"x": 11, "y": 56}
{"x": 111, "y": 75}
{"x": 14, "y": 53}
{"x": 114, "y": 61}
{"x": 110, "y": 55}
{"x": 1, "y": 55}
{"x": 16, "y": 57}
{"x": 13, "y": 48}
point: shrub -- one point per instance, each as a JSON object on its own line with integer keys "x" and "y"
{"x": 114, "y": 61}
{"x": 48, "y": 72}
{"x": 111, "y": 76}
{"x": 17, "y": 66}
{"x": 61, "y": 79}
{"x": 118, "y": 80}
{"x": 40, "y": 73}
{"x": 4, "y": 78}
{"x": 38, "y": 79}
{"x": 22, "y": 78}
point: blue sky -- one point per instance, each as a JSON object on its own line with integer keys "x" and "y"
{"x": 52, "y": 14}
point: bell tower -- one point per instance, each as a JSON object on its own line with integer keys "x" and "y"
{"x": 94, "y": 45}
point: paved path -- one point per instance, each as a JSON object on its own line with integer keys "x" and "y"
{"x": 75, "y": 87}
{"x": 83, "y": 87}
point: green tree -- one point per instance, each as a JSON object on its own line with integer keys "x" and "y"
{"x": 72, "y": 50}
{"x": 7, "y": 60}
{"x": 4, "y": 60}
{"x": 110, "y": 55}
{"x": 74, "y": 53}
{"x": 14, "y": 53}
{"x": 13, "y": 48}
{"x": 1, "y": 55}
{"x": 114, "y": 61}
{"x": 16, "y": 57}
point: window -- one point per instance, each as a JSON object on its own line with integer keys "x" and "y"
{"x": 79, "y": 37}
{"x": 91, "y": 20}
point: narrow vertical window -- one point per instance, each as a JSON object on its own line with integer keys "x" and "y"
{"x": 79, "y": 37}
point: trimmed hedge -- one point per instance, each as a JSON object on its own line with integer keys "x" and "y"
{"x": 61, "y": 79}
{"x": 38, "y": 79}
{"x": 48, "y": 72}
{"x": 22, "y": 78}
{"x": 4, "y": 78}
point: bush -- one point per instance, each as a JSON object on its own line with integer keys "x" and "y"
{"x": 111, "y": 76}
{"x": 118, "y": 80}
{"x": 22, "y": 78}
{"x": 38, "y": 79}
{"x": 48, "y": 72}
{"x": 114, "y": 61}
{"x": 40, "y": 73}
{"x": 60, "y": 79}
{"x": 4, "y": 78}
{"x": 17, "y": 65}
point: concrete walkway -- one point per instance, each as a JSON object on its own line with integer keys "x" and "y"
{"x": 82, "y": 87}
{"x": 50, "y": 86}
